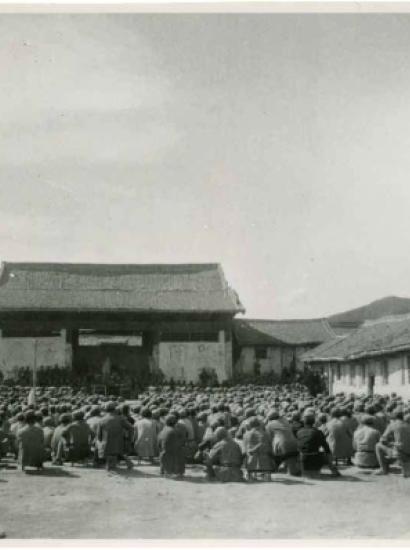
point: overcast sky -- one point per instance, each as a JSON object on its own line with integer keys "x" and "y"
{"x": 278, "y": 145}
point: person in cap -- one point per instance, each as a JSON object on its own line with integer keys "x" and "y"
{"x": 110, "y": 437}
{"x": 58, "y": 441}
{"x": 190, "y": 447}
{"x": 4, "y": 435}
{"x": 94, "y": 419}
{"x": 314, "y": 449}
{"x": 145, "y": 436}
{"x": 258, "y": 459}
{"x": 283, "y": 443}
{"x": 339, "y": 437}
{"x": 224, "y": 461}
{"x": 394, "y": 444}
{"x": 48, "y": 431}
{"x": 31, "y": 443}
{"x": 365, "y": 439}
{"x": 79, "y": 437}
{"x": 16, "y": 425}
{"x": 171, "y": 449}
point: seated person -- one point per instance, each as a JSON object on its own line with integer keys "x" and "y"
{"x": 258, "y": 454}
{"x": 365, "y": 439}
{"x": 30, "y": 441}
{"x": 48, "y": 430}
{"x": 394, "y": 445}
{"x": 58, "y": 441}
{"x": 314, "y": 449}
{"x": 283, "y": 442}
{"x": 224, "y": 461}
{"x": 78, "y": 436}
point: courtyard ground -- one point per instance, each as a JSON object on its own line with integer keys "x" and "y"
{"x": 80, "y": 502}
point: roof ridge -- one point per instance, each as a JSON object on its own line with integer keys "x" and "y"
{"x": 6, "y": 263}
{"x": 317, "y": 319}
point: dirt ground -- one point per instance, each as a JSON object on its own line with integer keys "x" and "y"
{"x": 80, "y": 502}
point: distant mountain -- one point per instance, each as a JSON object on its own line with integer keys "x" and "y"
{"x": 391, "y": 305}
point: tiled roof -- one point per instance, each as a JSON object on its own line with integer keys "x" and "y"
{"x": 380, "y": 337}
{"x": 115, "y": 287}
{"x": 291, "y": 332}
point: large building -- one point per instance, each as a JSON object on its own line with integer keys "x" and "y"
{"x": 269, "y": 346}
{"x": 375, "y": 359}
{"x": 176, "y": 319}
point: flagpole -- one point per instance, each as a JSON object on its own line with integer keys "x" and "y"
{"x": 35, "y": 364}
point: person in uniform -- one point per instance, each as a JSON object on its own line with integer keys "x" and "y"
{"x": 171, "y": 448}
{"x": 30, "y": 441}
{"x": 224, "y": 461}
{"x": 365, "y": 439}
{"x": 314, "y": 449}
{"x": 394, "y": 444}
{"x": 145, "y": 436}
{"x": 111, "y": 438}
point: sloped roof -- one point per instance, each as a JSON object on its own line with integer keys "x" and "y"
{"x": 116, "y": 287}
{"x": 344, "y": 329}
{"x": 380, "y": 337}
{"x": 322, "y": 350}
{"x": 291, "y": 332}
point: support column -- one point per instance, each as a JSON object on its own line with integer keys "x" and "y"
{"x": 150, "y": 342}
{"x": 226, "y": 351}
{"x": 70, "y": 339}
{"x": 330, "y": 378}
{"x": 67, "y": 348}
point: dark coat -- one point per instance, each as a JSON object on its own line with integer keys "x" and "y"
{"x": 31, "y": 446}
{"x": 171, "y": 451}
{"x": 110, "y": 434}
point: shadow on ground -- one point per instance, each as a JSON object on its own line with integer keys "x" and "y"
{"x": 51, "y": 472}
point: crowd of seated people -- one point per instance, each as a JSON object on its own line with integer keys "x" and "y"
{"x": 236, "y": 433}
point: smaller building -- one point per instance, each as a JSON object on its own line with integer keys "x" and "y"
{"x": 375, "y": 359}
{"x": 269, "y": 346}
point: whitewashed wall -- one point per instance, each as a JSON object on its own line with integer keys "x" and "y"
{"x": 185, "y": 360}
{"x": 398, "y": 377}
{"x": 19, "y": 352}
{"x": 273, "y": 361}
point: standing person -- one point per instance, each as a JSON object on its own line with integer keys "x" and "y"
{"x": 395, "y": 444}
{"x": 145, "y": 436}
{"x": 31, "y": 443}
{"x": 111, "y": 438}
{"x": 171, "y": 449}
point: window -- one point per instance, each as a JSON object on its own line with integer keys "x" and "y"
{"x": 408, "y": 369}
{"x": 385, "y": 371}
{"x": 403, "y": 370}
{"x": 261, "y": 353}
{"x": 338, "y": 371}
